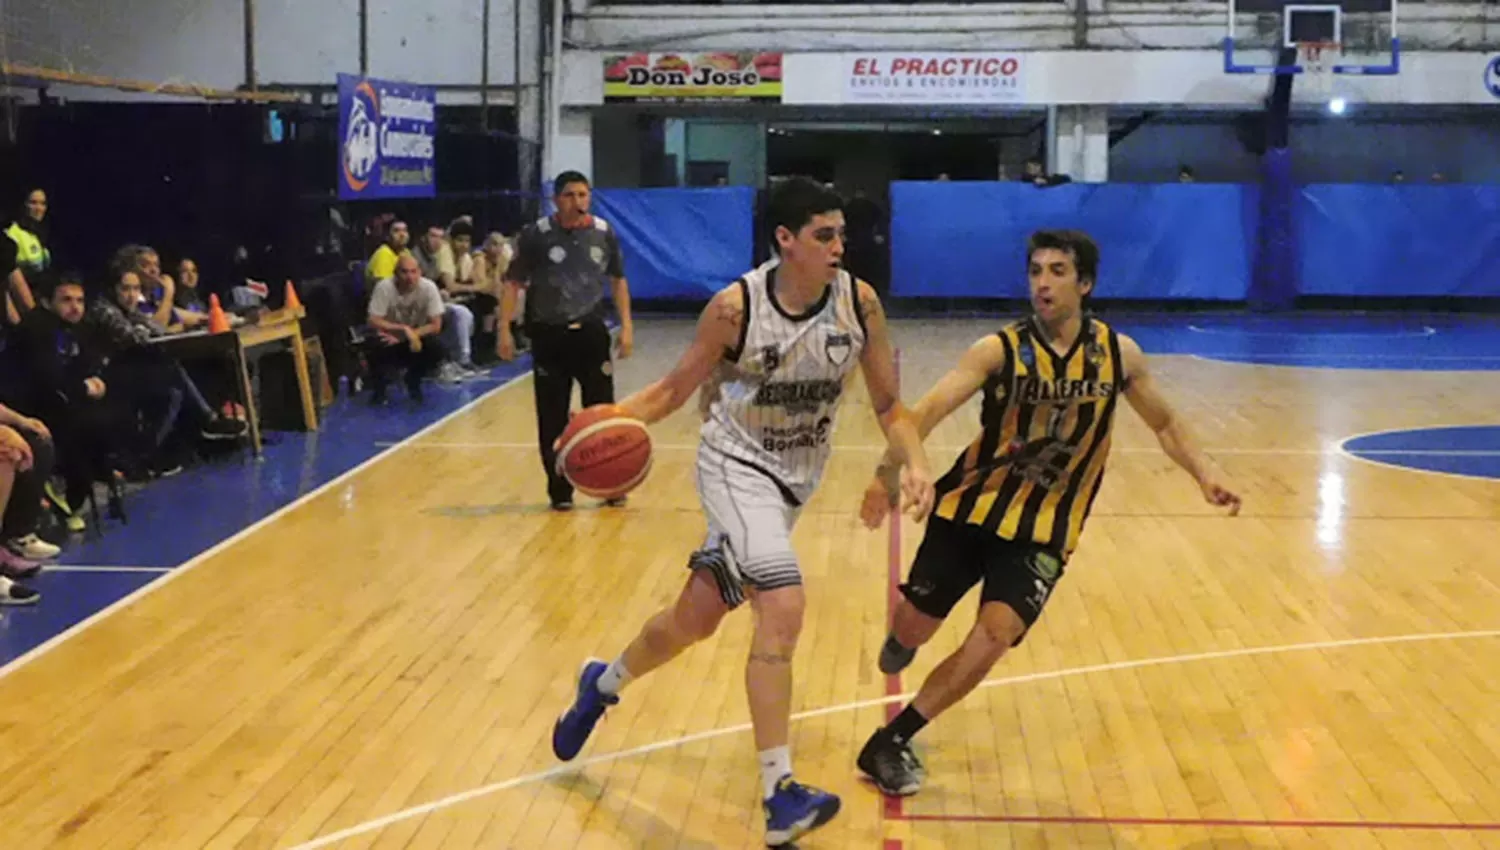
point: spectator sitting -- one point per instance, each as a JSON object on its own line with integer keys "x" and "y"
{"x": 215, "y": 377}
{"x": 435, "y": 259}
{"x": 152, "y": 383}
{"x": 159, "y": 291}
{"x": 188, "y": 299}
{"x": 65, "y": 386}
{"x": 406, "y": 311}
{"x": 15, "y": 461}
{"x": 470, "y": 290}
{"x": 22, "y": 547}
{"x": 490, "y": 263}
{"x": 383, "y": 262}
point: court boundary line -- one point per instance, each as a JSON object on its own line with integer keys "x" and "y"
{"x": 1426, "y": 331}
{"x": 1352, "y": 359}
{"x": 1339, "y": 448}
{"x": 208, "y": 554}
{"x": 1226, "y": 451}
{"x": 1208, "y": 823}
{"x": 725, "y": 731}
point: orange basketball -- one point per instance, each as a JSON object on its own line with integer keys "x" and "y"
{"x": 604, "y": 454}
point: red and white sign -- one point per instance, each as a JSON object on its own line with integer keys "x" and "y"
{"x": 932, "y": 78}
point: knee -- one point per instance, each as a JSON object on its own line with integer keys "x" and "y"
{"x": 997, "y": 629}
{"x": 911, "y": 627}
{"x": 779, "y": 616}
{"x": 690, "y": 621}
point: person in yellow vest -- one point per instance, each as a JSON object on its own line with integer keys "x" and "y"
{"x": 29, "y": 232}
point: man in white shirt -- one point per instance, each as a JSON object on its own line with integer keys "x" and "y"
{"x": 407, "y": 312}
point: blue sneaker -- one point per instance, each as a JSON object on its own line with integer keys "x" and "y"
{"x": 795, "y": 810}
{"x": 572, "y": 730}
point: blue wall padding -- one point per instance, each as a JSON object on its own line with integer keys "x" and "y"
{"x": 681, "y": 243}
{"x": 1156, "y": 241}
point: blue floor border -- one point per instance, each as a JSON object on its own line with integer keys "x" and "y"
{"x": 176, "y": 520}
{"x": 1465, "y": 451}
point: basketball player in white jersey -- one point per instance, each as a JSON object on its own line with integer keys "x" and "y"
{"x": 783, "y": 341}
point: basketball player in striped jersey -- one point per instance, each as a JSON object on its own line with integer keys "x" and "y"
{"x": 1011, "y": 509}
{"x": 773, "y": 353}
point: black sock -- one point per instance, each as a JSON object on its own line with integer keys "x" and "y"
{"x": 906, "y": 725}
{"x": 894, "y": 646}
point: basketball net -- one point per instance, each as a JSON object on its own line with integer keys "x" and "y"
{"x": 1318, "y": 59}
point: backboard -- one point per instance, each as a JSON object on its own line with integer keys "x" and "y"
{"x": 1323, "y": 31}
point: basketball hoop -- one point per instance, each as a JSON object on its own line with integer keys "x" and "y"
{"x": 1318, "y": 59}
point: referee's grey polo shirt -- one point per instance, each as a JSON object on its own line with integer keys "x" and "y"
{"x": 566, "y": 270}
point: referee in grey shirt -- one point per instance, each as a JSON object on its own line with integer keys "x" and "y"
{"x": 563, "y": 262}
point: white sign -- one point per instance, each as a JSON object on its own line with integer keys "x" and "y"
{"x": 932, "y": 78}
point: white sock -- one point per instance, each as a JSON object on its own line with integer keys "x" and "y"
{"x": 615, "y": 677}
{"x": 774, "y": 764}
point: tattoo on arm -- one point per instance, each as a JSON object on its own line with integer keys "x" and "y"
{"x": 770, "y": 658}
{"x": 869, "y": 304}
{"x": 730, "y": 312}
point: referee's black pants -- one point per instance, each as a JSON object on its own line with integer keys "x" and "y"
{"x": 560, "y": 355}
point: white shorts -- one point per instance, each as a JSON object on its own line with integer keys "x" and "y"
{"x": 750, "y": 519}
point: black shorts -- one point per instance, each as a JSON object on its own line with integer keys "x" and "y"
{"x": 954, "y": 557}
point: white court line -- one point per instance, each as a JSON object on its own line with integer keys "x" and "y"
{"x": 1332, "y": 449}
{"x": 1427, "y": 330}
{"x": 204, "y": 556}
{"x": 527, "y": 779}
{"x": 1243, "y": 358}
{"x": 74, "y": 568}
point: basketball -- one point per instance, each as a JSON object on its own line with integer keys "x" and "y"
{"x": 604, "y": 454}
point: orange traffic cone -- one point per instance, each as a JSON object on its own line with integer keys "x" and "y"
{"x": 293, "y": 303}
{"x": 218, "y": 322}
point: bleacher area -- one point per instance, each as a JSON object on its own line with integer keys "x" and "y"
{"x": 148, "y": 414}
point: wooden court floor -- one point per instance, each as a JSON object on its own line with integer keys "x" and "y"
{"x": 380, "y": 666}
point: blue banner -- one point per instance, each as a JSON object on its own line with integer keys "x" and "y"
{"x": 387, "y": 137}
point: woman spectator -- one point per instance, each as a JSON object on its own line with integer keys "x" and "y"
{"x": 154, "y": 384}
{"x": 24, "y": 253}
{"x": 189, "y": 301}
{"x": 490, "y": 263}
{"x": 29, "y": 232}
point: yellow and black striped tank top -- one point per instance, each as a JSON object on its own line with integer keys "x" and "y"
{"x": 1033, "y": 472}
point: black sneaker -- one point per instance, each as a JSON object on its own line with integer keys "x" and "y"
{"x": 562, "y": 505}
{"x": 894, "y": 657}
{"x": 893, "y": 767}
{"x": 220, "y": 428}
{"x": 12, "y": 593}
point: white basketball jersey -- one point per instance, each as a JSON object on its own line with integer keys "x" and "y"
{"x": 773, "y": 408}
